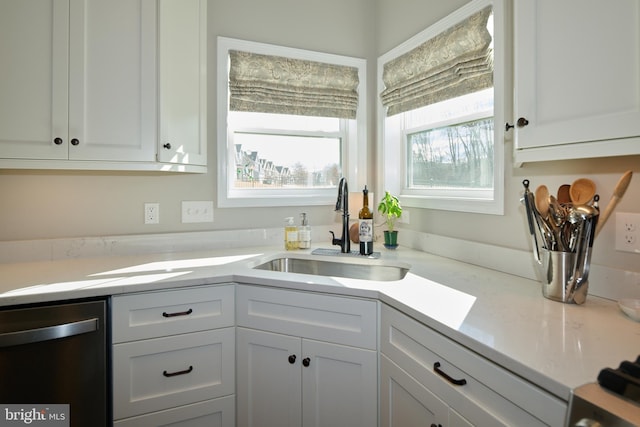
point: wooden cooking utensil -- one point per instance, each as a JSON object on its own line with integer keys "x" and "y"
{"x": 582, "y": 191}
{"x": 618, "y": 192}
{"x": 542, "y": 200}
{"x": 563, "y": 194}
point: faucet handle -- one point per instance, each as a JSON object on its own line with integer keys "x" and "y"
{"x": 335, "y": 241}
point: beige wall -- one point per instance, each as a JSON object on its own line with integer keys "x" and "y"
{"x": 35, "y": 205}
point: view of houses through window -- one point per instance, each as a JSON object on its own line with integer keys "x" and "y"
{"x": 282, "y": 151}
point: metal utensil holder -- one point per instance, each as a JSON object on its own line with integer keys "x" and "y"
{"x": 563, "y": 274}
{"x": 556, "y": 270}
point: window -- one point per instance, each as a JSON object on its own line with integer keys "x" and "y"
{"x": 448, "y": 152}
{"x": 280, "y": 151}
{"x": 284, "y": 158}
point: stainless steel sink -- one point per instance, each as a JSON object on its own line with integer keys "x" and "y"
{"x": 353, "y": 270}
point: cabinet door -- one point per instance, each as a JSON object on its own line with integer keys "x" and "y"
{"x": 577, "y": 78}
{"x": 34, "y": 37}
{"x": 404, "y": 402}
{"x": 183, "y": 81}
{"x": 339, "y": 385}
{"x": 112, "y": 83}
{"x": 268, "y": 379}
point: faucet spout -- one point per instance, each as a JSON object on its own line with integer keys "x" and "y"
{"x": 342, "y": 204}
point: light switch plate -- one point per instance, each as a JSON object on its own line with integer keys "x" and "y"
{"x": 197, "y": 211}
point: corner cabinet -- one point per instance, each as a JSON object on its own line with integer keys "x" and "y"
{"x": 428, "y": 380}
{"x": 577, "y": 79}
{"x": 305, "y": 359}
{"x": 174, "y": 358}
{"x": 81, "y": 91}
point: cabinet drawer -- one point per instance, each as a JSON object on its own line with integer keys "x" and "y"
{"x": 161, "y": 373}
{"x": 416, "y": 348}
{"x": 340, "y": 320}
{"x": 210, "y": 413}
{"x": 156, "y": 314}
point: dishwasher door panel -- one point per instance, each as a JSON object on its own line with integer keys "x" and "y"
{"x": 57, "y": 355}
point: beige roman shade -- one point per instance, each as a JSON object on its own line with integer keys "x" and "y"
{"x": 456, "y": 62}
{"x": 274, "y": 84}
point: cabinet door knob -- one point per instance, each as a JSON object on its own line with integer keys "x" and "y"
{"x": 75, "y": 141}
{"x": 58, "y": 141}
{"x": 292, "y": 359}
{"x": 306, "y": 362}
{"x": 436, "y": 367}
{"x": 522, "y": 122}
{"x": 167, "y": 146}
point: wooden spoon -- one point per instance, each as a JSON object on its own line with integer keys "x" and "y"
{"x": 618, "y": 192}
{"x": 563, "y": 194}
{"x": 542, "y": 200}
{"x": 582, "y": 191}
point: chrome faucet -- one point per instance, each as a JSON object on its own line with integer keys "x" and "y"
{"x": 343, "y": 204}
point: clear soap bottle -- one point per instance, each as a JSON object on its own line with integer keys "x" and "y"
{"x": 304, "y": 232}
{"x": 290, "y": 234}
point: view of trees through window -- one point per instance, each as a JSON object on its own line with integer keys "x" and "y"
{"x": 458, "y": 156}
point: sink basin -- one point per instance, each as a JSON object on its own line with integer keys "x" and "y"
{"x": 353, "y": 270}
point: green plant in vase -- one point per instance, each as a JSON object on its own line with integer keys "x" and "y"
{"x": 390, "y": 208}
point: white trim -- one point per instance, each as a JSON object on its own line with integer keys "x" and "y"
{"x": 354, "y": 152}
{"x": 390, "y": 159}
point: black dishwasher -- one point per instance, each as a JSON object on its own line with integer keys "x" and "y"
{"x": 55, "y": 355}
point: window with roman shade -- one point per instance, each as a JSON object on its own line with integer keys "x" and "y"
{"x": 291, "y": 122}
{"x": 281, "y": 85}
{"x": 441, "y": 97}
{"x": 455, "y": 62}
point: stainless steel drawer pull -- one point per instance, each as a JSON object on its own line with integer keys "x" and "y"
{"x": 180, "y": 313}
{"x": 436, "y": 367}
{"x": 173, "y": 374}
{"x": 48, "y": 333}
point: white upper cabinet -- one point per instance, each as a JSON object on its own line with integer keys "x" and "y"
{"x": 33, "y": 87}
{"x": 183, "y": 81}
{"x": 112, "y": 80}
{"x": 577, "y": 79}
{"x": 92, "y": 84}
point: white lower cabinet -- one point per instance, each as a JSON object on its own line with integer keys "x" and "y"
{"x": 426, "y": 379}
{"x": 174, "y": 357}
{"x": 297, "y": 364}
{"x": 210, "y": 413}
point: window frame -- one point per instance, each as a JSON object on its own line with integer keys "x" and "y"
{"x": 354, "y": 152}
{"x": 392, "y": 143}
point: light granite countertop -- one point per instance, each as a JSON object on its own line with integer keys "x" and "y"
{"x": 502, "y": 317}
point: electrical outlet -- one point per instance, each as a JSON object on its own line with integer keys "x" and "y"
{"x": 152, "y": 213}
{"x": 197, "y": 211}
{"x": 628, "y": 232}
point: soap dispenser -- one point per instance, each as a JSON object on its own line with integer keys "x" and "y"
{"x": 304, "y": 232}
